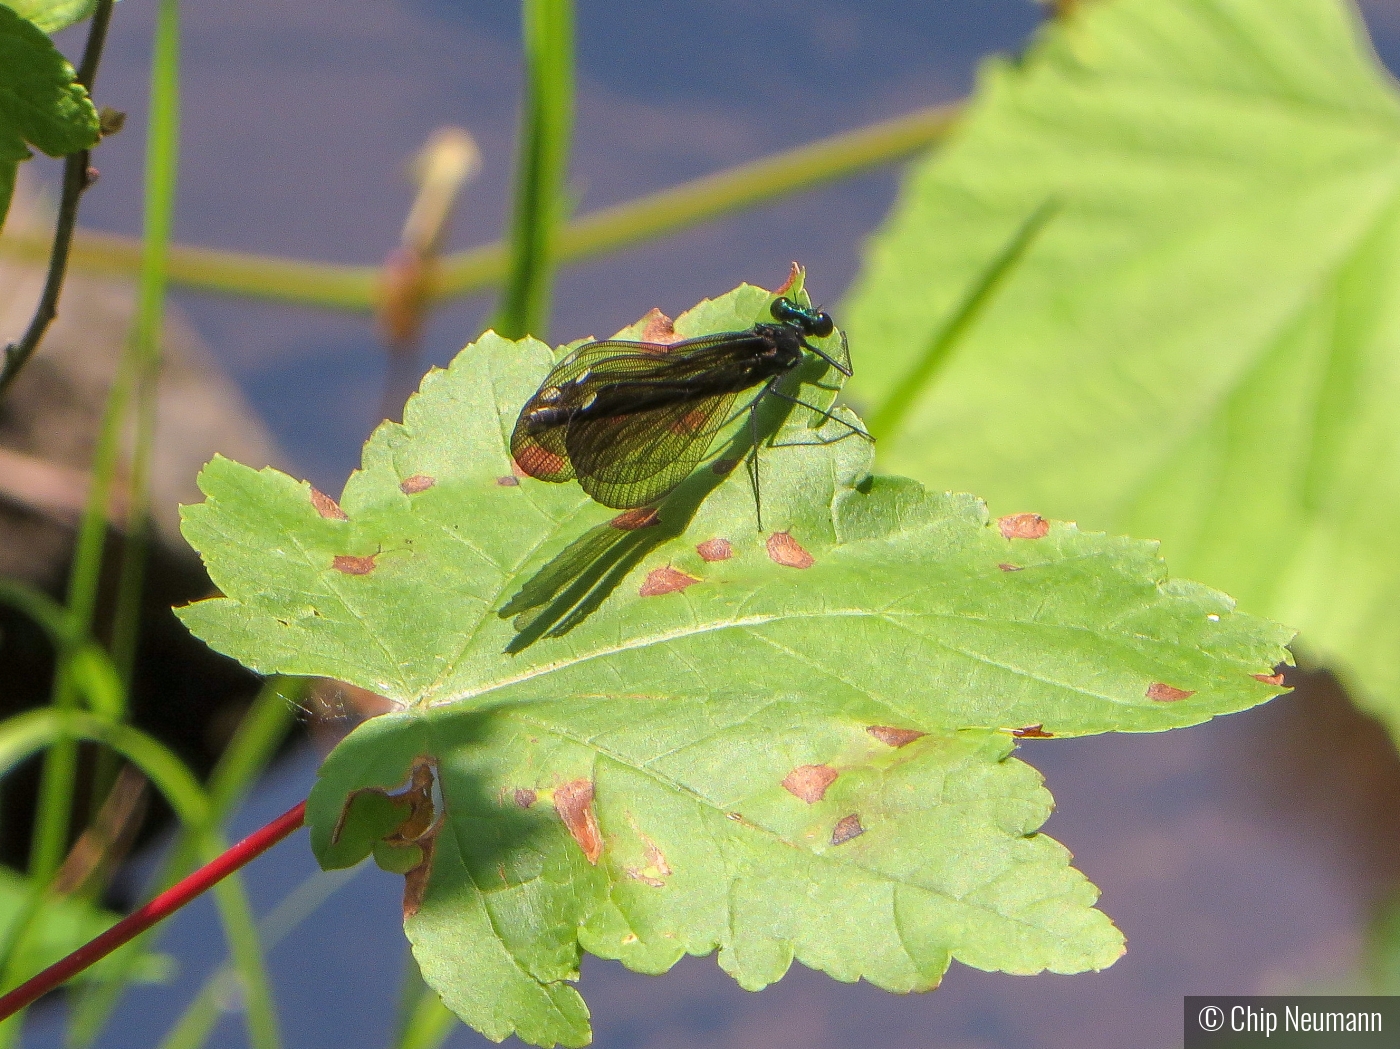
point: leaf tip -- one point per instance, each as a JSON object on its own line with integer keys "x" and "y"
{"x": 657, "y": 328}
{"x": 326, "y": 506}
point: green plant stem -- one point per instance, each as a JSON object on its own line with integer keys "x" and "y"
{"x": 162, "y": 148}
{"x": 54, "y": 815}
{"x": 355, "y": 288}
{"x": 25, "y": 734}
{"x": 75, "y": 183}
{"x": 724, "y": 193}
{"x": 546, "y": 123}
{"x": 259, "y": 734}
{"x": 915, "y": 383}
{"x": 162, "y": 161}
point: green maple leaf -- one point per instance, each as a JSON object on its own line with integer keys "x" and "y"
{"x": 52, "y": 15}
{"x": 1202, "y": 343}
{"x": 794, "y": 745}
{"x": 40, "y": 104}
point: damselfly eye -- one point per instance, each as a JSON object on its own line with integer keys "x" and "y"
{"x": 785, "y": 310}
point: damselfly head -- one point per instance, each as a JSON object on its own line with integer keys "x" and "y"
{"x": 810, "y": 320}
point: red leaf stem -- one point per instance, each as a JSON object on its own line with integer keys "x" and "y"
{"x": 160, "y": 907}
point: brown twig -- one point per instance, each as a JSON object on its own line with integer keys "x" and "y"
{"x": 448, "y": 161}
{"x": 77, "y": 176}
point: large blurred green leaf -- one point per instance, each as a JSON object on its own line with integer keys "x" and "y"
{"x": 1203, "y": 344}
{"x": 40, "y": 103}
{"x": 787, "y": 746}
{"x": 52, "y": 15}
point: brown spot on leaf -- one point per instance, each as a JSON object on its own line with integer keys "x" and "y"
{"x": 783, "y": 549}
{"x": 1166, "y": 693}
{"x": 715, "y": 550}
{"x": 1023, "y": 526}
{"x": 525, "y": 797}
{"x": 637, "y": 519}
{"x": 894, "y": 737}
{"x": 794, "y": 271}
{"x": 665, "y": 580}
{"x": 846, "y": 828}
{"x": 574, "y": 803}
{"x": 508, "y": 481}
{"x": 723, "y": 466}
{"x": 657, "y": 328}
{"x": 655, "y": 871}
{"x": 352, "y": 565}
{"x": 1269, "y": 679}
{"x": 1007, "y": 567}
{"x": 809, "y": 782}
{"x": 327, "y": 507}
{"x": 417, "y": 483}
{"x": 537, "y": 462}
{"x": 1032, "y": 732}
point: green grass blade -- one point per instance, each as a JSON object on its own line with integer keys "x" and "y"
{"x": 423, "y": 1022}
{"x": 547, "y": 120}
{"x": 162, "y": 159}
{"x": 475, "y": 270}
{"x": 47, "y": 613}
{"x": 430, "y": 1023}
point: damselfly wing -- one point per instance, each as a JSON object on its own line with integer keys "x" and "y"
{"x": 631, "y": 420}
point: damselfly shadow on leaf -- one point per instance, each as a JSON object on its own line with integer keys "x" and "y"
{"x": 632, "y": 421}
